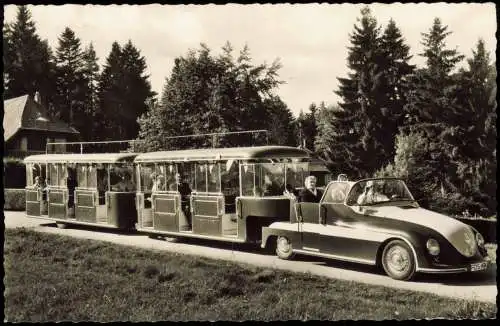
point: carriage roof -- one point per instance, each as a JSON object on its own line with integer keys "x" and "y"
{"x": 81, "y": 158}
{"x": 233, "y": 153}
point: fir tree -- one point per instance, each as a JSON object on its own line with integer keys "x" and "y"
{"x": 207, "y": 94}
{"x": 432, "y": 107}
{"x": 124, "y": 91}
{"x": 70, "y": 83}
{"x": 28, "y": 61}
{"x": 91, "y": 76}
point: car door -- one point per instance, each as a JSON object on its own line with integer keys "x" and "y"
{"x": 343, "y": 234}
{"x": 308, "y": 226}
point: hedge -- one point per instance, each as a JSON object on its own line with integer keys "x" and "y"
{"x": 14, "y": 173}
{"x": 14, "y": 199}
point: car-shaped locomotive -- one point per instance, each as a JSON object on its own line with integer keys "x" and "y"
{"x": 378, "y": 222}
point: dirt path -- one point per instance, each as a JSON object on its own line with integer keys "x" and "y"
{"x": 481, "y": 287}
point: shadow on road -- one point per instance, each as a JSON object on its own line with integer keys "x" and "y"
{"x": 465, "y": 279}
{"x": 487, "y": 277}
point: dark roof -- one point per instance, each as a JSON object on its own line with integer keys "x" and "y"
{"x": 81, "y": 158}
{"x": 22, "y": 113}
{"x": 242, "y": 153}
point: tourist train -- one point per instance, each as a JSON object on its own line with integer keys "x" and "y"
{"x": 246, "y": 195}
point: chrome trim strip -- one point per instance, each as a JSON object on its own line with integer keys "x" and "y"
{"x": 189, "y": 234}
{"x": 441, "y": 271}
{"x": 312, "y": 249}
{"x": 355, "y": 260}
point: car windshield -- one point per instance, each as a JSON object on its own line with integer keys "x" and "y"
{"x": 370, "y": 192}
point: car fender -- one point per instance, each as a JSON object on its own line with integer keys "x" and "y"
{"x": 277, "y": 229}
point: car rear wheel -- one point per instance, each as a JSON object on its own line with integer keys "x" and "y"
{"x": 284, "y": 248}
{"x": 398, "y": 260}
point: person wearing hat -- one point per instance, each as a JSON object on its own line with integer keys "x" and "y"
{"x": 370, "y": 195}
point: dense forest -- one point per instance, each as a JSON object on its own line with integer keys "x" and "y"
{"x": 434, "y": 125}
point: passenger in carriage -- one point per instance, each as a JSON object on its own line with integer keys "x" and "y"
{"x": 102, "y": 185}
{"x": 71, "y": 184}
{"x": 271, "y": 186}
{"x": 158, "y": 183}
{"x": 310, "y": 193}
{"x": 41, "y": 186}
{"x": 185, "y": 192}
{"x": 290, "y": 191}
{"x": 125, "y": 184}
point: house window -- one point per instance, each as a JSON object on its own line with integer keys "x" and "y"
{"x": 24, "y": 144}
{"x": 60, "y": 148}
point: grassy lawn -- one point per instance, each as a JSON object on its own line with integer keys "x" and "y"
{"x": 59, "y": 278}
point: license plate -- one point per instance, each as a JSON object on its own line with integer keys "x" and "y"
{"x": 478, "y": 267}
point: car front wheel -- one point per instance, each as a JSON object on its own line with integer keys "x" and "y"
{"x": 284, "y": 248}
{"x": 398, "y": 260}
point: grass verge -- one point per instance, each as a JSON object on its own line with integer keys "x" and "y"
{"x": 59, "y": 278}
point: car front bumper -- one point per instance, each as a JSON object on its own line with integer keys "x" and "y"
{"x": 479, "y": 266}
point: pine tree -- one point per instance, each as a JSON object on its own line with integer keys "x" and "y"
{"x": 109, "y": 97}
{"x": 307, "y": 127}
{"x": 326, "y": 136}
{"x": 476, "y": 155}
{"x": 91, "y": 76}
{"x": 359, "y": 139}
{"x": 396, "y": 68}
{"x": 432, "y": 107}
{"x": 28, "y": 62}
{"x": 70, "y": 83}
{"x": 280, "y": 123}
{"x": 207, "y": 94}
{"x": 124, "y": 91}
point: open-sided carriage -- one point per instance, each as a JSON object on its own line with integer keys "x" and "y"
{"x": 234, "y": 191}
{"x": 96, "y": 189}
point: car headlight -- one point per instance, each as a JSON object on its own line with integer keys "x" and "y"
{"x": 479, "y": 239}
{"x": 433, "y": 247}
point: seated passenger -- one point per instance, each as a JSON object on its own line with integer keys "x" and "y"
{"x": 185, "y": 192}
{"x": 125, "y": 184}
{"x": 310, "y": 193}
{"x": 342, "y": 177}
{"x": 157, "y": 183}
{"x": 41, "y": 187}
{"x": 290, "y": 191}
{"x": 370, "y": 195}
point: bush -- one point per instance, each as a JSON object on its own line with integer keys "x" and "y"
{"x": 487, "y": 227}
{"x": 15, "y": 199}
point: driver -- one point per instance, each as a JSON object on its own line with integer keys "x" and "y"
{"x": 370, "y": 195}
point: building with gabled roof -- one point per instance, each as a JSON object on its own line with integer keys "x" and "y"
{"x": 28, "y": 127}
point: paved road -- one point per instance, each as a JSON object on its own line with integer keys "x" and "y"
{"x": 481, "y": 287}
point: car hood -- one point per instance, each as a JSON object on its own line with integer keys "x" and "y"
{"x": 459, "y": 234}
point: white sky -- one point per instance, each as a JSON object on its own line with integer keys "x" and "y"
{"x": 309, "y": 39}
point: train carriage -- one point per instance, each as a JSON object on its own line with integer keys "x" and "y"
{"x": 95, "y": 189}
{"x": 234, "y": 191}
